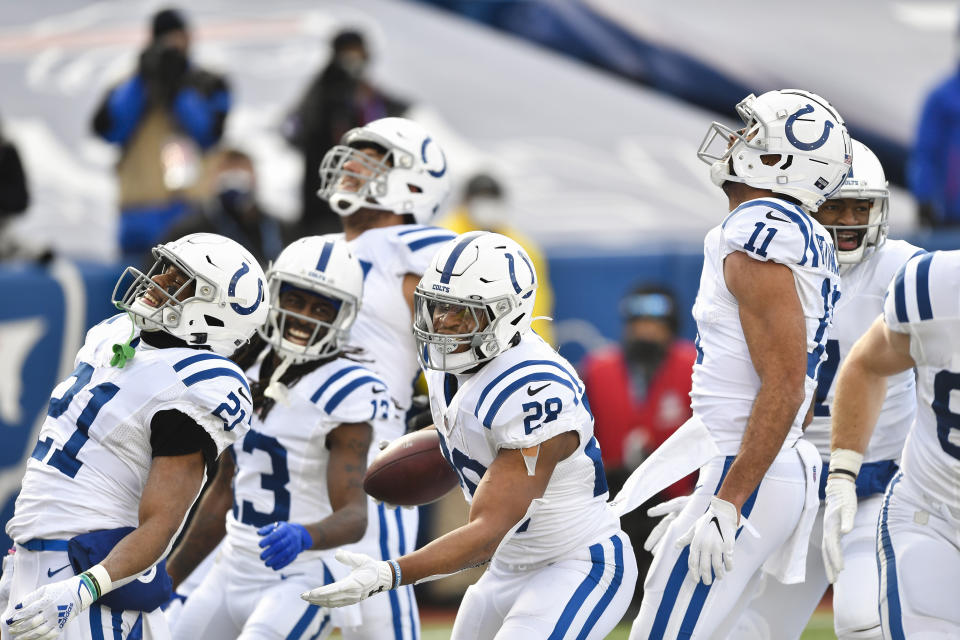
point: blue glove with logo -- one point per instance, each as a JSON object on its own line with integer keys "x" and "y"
{"x": 282, "y": 543}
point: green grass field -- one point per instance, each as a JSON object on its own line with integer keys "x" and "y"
{"x": 820, "y": 628}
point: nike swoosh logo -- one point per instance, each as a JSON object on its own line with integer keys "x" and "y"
{"x": 381, "y": 390}
{"x": 532, "y": 392}
{"x": 50, "y": 573}
{"x": 770, "y": 216}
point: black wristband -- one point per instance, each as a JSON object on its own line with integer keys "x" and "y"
{"x": 844, "y": 471}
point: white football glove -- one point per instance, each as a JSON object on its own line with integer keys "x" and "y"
{"x": 711, "y": 540}
{"x": 368, "y": 577}
{"x": 669, "y": 510}
{"x": 840, "y": 507}
{"x": 42, "y": 614}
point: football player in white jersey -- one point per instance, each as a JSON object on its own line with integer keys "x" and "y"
{"x": 515, "y": 426}
{"x": 121, "y": 455}
{"x": 387, "y": 180}
{"x": 770, "y": 280}
{"x": 297, "y": 476}
{"x": 918, "y": 533}
{"x": 857, "y": 217}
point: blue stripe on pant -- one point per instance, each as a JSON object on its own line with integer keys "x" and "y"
{"x": 403, "y": 551}
{"x": 888, "y": 569}
{"x": 385, "y": 555}
{"x": 611, "y": 591}
{"x": 679, "y": 573}
{"x": 580, "y": 595}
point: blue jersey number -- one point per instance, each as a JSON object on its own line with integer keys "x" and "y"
{"x": 944, "y": 383}
{"x": 828, "y": 370}
{"x": 65, "y": 459}
{"x": 234, "y": 414}
{"x": 275, "y": 482}
{"x": 762, "y": 249}
{"x": 549, "y": 411}
{"x": 461, "y": 463}
{"x": 380, "y": 408}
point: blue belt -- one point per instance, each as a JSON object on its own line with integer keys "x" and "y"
{"x": 872, "y": 479}
{"x": 45, "y": 545}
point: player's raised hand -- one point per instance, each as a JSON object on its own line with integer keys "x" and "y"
{"x": 282, "y": 542}
{"x": 669, "y": 510}
{"x": 42, "y": 614}
{"x": 711, "y": 540}
{"x": 368, "y": 577}
{"x": 838, "y": 516}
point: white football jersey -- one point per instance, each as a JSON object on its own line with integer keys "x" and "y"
{"x": 864, "y": 286}
{"x": 924, "y": 301}
{"x": 384, "y": 325}
{"x": 524, "y": 396}
{"x": 90, "y": 464}
{"x": 281, "y": 463}
{"x": 725, "y": 383}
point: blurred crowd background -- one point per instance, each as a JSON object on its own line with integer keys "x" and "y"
{"x": 570, "y": 125}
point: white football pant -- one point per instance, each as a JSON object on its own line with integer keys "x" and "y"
{"x": 677, "y": 605}
{"x": 918, "y": 543}
{"x": 33, "y": 569}
{"x": 583, "y": 596}
{"x": 781, "y": 611}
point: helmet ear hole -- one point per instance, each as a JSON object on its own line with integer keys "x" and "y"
{"x": 770, "y": 159}
{"x": 212, "y": 321}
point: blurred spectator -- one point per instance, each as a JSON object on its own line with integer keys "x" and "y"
{"x": 14, "y": 197}
{"x": 165, "y": 117}
{"x": 933, "y": 171}
{"x": 639, "y": 390}
{"x": 233, "y": 210}
{"x": 339, "y": 99}
{"x": 485, "y": 208}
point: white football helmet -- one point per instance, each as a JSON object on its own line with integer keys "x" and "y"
{"x": 474, "y": 301}
{"x": 227, "y": 303}
{"x": 866, "y": 181}
{"x": 801, "y": 127}
{"x": 411, "y": 178}
{"x": 324, "y": 266}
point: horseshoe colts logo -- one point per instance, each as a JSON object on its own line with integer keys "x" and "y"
{"x": 806, "y": 146}
{"x": 436, "y": 173}
{"x": 232, "y": 291}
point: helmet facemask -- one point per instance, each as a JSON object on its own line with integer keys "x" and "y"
{"x": 312, "y": 338}
{"x": 454, "y": 334}
{"x": 349, "y": 188}
{"x": 154, "y": 307}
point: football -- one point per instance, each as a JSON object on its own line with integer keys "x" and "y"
{"x": 410, "y": 471}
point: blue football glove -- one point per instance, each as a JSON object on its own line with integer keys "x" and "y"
{"x": 282, "y": 543}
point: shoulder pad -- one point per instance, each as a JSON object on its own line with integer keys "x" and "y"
{"x": 771, "y": 230}
{"x": 529, "y": 402}
{"x": 351, "y": 393}
{"x": 217, "y": 395}
{"x": 417, "y": 244}
{"x": 911, "y": 299}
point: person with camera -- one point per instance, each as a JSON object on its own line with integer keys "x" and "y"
{"x": 165, "y": 117}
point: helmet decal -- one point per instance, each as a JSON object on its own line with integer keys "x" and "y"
{"x": 806, "y": 146}
{"x": 325, "y": 256}
{"x": 454, "y": 256}
{"x": 423, "y": 154}
{"x": 232, "y": 291}
{"x": 513, "y": 273}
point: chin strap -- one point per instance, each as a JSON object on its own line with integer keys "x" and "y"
{"x": 276, "y": 389}
{"x": 123, "y": 352}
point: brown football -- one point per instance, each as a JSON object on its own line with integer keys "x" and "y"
{"x": 411, "y": 471}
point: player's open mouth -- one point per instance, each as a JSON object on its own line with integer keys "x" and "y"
{"x": 848, "y": 240}
{"x": 297, "y": 335}
{"x": 150, "y": 299}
